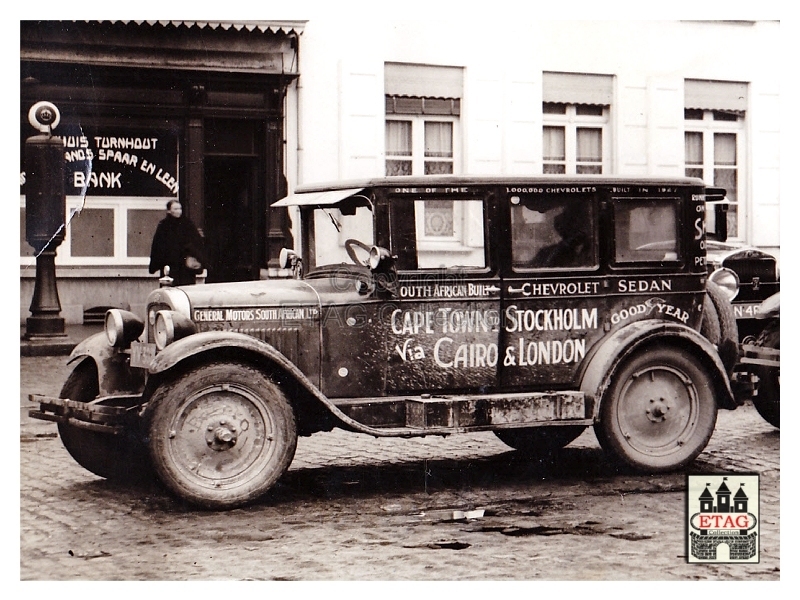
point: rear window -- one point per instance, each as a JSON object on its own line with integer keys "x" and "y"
{"x": 646, "y": 230}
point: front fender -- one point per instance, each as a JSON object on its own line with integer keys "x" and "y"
{"x": 114, "y": 373}
{"x": 606, "y": 359}
{"x": 225, "y": 341}
{"x": 209, "y": 341}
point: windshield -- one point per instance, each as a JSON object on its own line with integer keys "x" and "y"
{"x": 339, "y": 235}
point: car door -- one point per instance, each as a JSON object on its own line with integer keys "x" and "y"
{"x": 442, "y": 324}
{"x": 552, "y": 290}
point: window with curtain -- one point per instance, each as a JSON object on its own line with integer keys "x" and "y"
{"x": 398, "y": 148}
{"x": 712, "y": 152}
{"x": 573, "y": 138}
{"x": 420, "y": 145}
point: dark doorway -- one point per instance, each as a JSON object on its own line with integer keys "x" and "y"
{"x": 234, "y": 214}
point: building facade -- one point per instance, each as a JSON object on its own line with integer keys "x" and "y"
{"x": 350, "y": 100}
{"x": 151, "y": 112}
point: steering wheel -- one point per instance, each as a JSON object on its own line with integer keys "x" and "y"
{"x": 350, "y": 245}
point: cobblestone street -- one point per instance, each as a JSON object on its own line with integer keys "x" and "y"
{"x": 356, "y": 508}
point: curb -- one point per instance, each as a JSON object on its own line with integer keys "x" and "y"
{"x": 46, "y": 347}
{"x": 60, "y": 345}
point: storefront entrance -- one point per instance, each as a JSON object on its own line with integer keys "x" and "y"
{"x": 234, "y": 218}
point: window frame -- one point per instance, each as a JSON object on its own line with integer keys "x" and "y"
{"x": 708, "y": 127}
{"x": 417, "y": 156}
{"x": 571, "y": 121}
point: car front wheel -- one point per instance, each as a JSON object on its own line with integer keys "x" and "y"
{"x": 121, "y": 457}
{"x": 221, "y": 434}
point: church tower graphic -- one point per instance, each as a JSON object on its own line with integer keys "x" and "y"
{"x": 723, "y": 526}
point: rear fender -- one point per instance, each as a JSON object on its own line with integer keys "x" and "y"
{"x": 624, "y": 343}
{"x": 114, "y": 373}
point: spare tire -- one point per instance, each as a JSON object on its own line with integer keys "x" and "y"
{"x": 709, "y": 327}
{"x": 728, "y": 345}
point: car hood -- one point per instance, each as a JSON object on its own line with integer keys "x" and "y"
{"x": 273, "y": 292}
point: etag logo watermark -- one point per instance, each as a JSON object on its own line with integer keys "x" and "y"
{"x": 722, "y": 518}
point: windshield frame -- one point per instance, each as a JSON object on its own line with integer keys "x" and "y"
{"x": 336, "y": 216}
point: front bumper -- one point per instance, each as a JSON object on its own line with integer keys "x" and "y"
{"x": 109, "y": 414}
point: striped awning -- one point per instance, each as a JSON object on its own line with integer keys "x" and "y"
{"x": 263, "y": 26}
{"x": 715, "y": 95}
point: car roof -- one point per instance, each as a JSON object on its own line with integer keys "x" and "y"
{"x": 453, "y": 180}
{"x": 328, "y": 193}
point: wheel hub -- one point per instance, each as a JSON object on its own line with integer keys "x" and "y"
{"x": 657, "y": 410}
{"x": 222, "y": 434}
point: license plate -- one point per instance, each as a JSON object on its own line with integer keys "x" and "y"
{"x": 746, "y": 311}
{"x": 142, "y": 354}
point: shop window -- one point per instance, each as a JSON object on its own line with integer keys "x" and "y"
{"x": 141, "y": 228}
{"x": 93, "y": 233}
{"x": 118, "y": 231}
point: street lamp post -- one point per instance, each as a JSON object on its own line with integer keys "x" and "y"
{"x": 45, "y": 218}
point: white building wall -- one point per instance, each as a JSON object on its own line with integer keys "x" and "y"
{"x": 341, "y": 97}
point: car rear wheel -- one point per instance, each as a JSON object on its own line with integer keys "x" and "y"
{"x": 659, "y": 411}
{"x": 117, "y": 457}
{"x": 221, "y": 434}
{"x": 768, "y": 399}
{"x": 539, "y": 442}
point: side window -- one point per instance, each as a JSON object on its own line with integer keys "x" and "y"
{"x": 440, "y": 234}
{"x": 552, "y": 233}
{"x": 646, "y": 230}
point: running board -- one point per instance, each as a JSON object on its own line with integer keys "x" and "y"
{"x": 443, "y": 414}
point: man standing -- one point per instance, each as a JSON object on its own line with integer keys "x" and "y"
{"x": 177, "y": 244}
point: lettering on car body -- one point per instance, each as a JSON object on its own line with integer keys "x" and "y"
{"x": 294, "y": 313}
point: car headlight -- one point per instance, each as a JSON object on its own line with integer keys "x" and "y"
{"x": 171, "y": 326}
{"x": 122, "y": 327}
{"x": 726, "y": 279}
